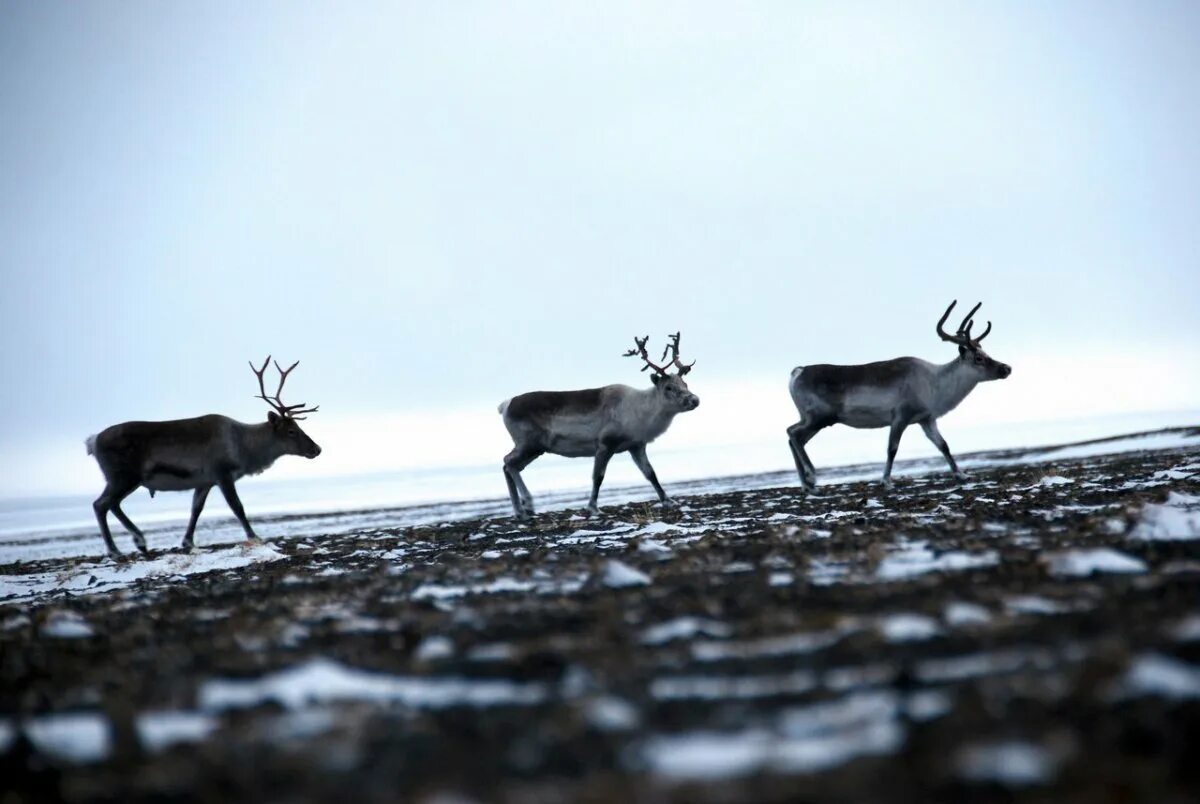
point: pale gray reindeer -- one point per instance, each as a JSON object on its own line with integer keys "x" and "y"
{"x": 195, "y": 454}
{"x": 597, "y": 422}
{"x": 890, "y": 393}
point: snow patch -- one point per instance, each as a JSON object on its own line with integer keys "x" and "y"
{"x": 322, "y": 681}
{"x": 908, "y": 627}
{"x": 787, "y": 645}
{"x": 958, "y": 614}
{"x": 1087, "y": 561}
{"x": 66, "y": 625}
{"x": 74, "y": 737}
{"x": 1034, "y": 604}
{"x": 1162, "y": 676}
{"x": 1013, "y": 763}
{"x": 684, "y": 628}
{"x": 804, "y": 740}
{"x": 161, "y": 730}
{"x": 608, "y": 713}
{"x": 1175, "y": 520}
{"x": 724, "y": 688}
{"x": 434, "y": 648}
{"x": 1187, "y": 629}
{"x": 915, "y": 558}
{"x": 619, "y": 575}
{"x": 91, "y": 578}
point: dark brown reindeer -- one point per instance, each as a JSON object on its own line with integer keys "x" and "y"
{"x": 891, "y": 393}
{"x": 195, "y": 454}
{"x": 595, "y": 423}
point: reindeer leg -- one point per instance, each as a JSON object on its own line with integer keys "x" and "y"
{"x": 198, "y": 498}
{"x": 603, "y": 454}
{"x": 638, "y": 453}
{"x": 138, "y": 538}
{"x": 799, "y": 435}
{"x": 518, "y": 492}
{"x": 931, "y": 432}
{"x": 101, "y": 506}
{"x": 518, "y": 510}
{"x": 898, "y": 426}
{"x": 526, "y": 497}
{"x": 235, "y": 505}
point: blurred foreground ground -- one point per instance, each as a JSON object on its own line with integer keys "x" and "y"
{"x": 1031, "y": 634}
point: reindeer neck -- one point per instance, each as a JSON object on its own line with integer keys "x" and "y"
{"x": 954, "y": 381}
{"x": 649, "y": 403}
{"x": 258, "y": 447}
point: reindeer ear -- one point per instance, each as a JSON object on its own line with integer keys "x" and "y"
{"x": 963, "y": 351}
{"x": 656, "y": 379}
{"x": 273, "y": 418}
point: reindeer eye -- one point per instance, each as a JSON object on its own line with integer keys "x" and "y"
{"x": 292, "y": 431}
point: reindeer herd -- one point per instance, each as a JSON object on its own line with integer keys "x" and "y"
{"x": 214, "y": 450}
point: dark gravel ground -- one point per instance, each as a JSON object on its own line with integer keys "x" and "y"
{"x": 939, "y": 642}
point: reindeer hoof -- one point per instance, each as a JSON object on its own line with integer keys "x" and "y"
{"x": 593, "y": 510}
{"x": 187, "y": 548}
{"x": 116, "y": 555}
{"x": 961, "y": 476}
{"x": 668, "y": 502}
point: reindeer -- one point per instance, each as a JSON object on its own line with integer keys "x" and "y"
{"x": 195, "y": 454}
{"x": 891, "y": 393}
{"x": 597, "y": 422}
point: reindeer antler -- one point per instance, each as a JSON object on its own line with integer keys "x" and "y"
{"x": 963, "y": 336}
{"x": 673, "y": 348}
{"x": 640, "y": 351}
{"x": 288, "y": 411}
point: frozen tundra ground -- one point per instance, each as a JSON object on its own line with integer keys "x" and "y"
{"x": 1030, "y": 634}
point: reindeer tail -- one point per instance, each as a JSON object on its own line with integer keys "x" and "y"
{"x": 503, "y": 406}
{"x": 796, "y": 372}
{"x": 90, "y": 443}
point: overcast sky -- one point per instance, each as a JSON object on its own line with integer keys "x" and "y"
{"x": 435, "y": 206}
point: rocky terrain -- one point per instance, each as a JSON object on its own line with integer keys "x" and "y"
{"x": 1029, "y": 634}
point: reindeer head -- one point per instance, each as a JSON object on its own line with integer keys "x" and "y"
{"x": 671, "y": 387}
{"x": 283, "y": 418}
{"x": 969, "y": 352}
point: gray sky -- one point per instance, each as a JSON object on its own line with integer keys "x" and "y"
{"x": 437, "y": 205}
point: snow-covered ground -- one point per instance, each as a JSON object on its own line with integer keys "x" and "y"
{"x": 962, "y": 629}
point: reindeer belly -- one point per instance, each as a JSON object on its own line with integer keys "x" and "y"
{"x": 162, "y": 476}
{"x": 868, "y": 408}
{"x": 571, "y": 436}
{"x": 570, "y": 447}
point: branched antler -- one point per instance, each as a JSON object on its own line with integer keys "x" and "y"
{"x": 963, "y": 336}
{"x": 673, "y": 348}
{"x": 640, "y": 351}
{"x": 288, "y": 411}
